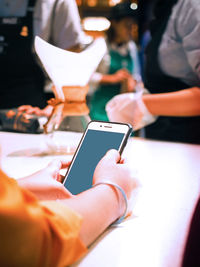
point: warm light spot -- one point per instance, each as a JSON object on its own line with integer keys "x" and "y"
{"x": 114, "y": 2}
{"x": 24, "y": 31}
{"x": 92, "y": 2}
{"x": 95, "y": 24}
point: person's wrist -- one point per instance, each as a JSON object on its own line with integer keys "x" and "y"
{"x": 113, "y": 78}
{"x": 120, "y": 197}
{"x": 148, "y": 103}
{"x": 110, "y": 198}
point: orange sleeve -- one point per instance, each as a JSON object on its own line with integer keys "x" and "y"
{"x": 34, "y": 233}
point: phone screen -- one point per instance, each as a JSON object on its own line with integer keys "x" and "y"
{"x": 94, "y": 146}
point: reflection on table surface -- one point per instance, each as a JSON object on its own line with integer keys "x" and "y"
{"x": 155, "y": 234}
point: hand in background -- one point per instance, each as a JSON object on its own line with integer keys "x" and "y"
{"x": 46, "y": 183}
{"x": 121, "y": 76}
{"x": 36, "y": 110}
{"x": 129, "y": 108}
{"x": 117, "y": 77}
{"x": 129, "y": 84}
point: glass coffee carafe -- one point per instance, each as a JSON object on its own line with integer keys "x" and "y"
{"x": 68, "y": 119}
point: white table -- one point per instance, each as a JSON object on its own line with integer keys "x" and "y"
{"x": 155, "y": 234}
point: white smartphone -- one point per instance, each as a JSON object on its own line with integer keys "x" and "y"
{"x": 98, "y": 138}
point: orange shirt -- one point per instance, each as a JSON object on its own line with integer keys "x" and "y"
{"x": 34, "y": 233}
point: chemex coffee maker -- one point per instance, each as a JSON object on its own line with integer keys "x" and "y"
{"x": 67, "y": 112}
{"x": 70, "y": 114}
{"x": 70, "y": 73}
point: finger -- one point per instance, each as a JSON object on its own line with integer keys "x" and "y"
{"x": 112, "y": 155}
{"x": 60, "y": 178}
{"x": 123, "y": 71}
{"x": 24, "y": 107}
{"x": 33, "y": 111}
{"x": 27, "y": 110}
{"x": 65, "y": 165}
{"x": 54, "y": 167}
{"x": 122, "y": 161}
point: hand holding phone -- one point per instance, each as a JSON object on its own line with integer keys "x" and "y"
{"x": 112, "y": 170}
{"x": 98, "y": 138}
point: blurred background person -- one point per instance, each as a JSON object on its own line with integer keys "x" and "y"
{"x": 172, "y": 76}
{"x": 22, "y": 78}
{"x": 120, "y": 68}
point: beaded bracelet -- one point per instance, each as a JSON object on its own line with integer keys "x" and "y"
{"x": 123, "y": 194}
